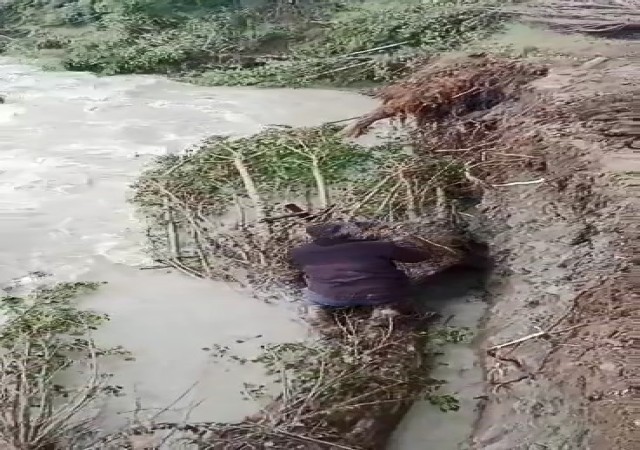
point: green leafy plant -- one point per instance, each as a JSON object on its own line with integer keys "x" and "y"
{"x": 44, "y": 335}
{"x": 267, "y": 44}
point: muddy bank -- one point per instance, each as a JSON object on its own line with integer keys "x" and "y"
{"x": 563, "y": 250}
{"x": 553, "y": 157}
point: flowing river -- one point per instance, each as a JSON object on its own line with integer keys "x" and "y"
{"x": 70, "y": 146}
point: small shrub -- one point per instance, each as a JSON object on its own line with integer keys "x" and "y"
{"x": 50, "y": 41}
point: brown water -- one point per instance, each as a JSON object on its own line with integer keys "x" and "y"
{"x": 70, "y": 145}
{"x": 458, "y": 296}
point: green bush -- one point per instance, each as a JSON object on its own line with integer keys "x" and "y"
{"x": 48, "y": 41}
{"x": 151, "y": 53}
{"x": 438, "y": 24}
{"x": 413, "y": 30}
{"x": 137, "y": 43}
{"x": 220, "y": 45}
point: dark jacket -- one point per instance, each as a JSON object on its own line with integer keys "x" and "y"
{"x": 344, "y": 270}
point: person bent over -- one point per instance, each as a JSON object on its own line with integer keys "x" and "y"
{"x": 344, "y": 270}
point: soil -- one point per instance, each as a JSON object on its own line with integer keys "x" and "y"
{"x": 564, "y": 264}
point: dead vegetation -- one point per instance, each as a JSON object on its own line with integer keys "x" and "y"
{"x": 477, "y": 111}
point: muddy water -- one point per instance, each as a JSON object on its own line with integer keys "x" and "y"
{"x": 70, "y": 145}
{"x": 458, "y": 296}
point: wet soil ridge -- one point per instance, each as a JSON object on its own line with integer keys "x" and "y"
{"x": 594, "y": 359}
{"x": 574, "y": 375}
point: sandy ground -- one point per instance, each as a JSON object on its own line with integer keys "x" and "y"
{"x": 565, "y": 252}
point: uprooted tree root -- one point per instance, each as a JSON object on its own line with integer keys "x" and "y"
{"x": 481, "y": 113}
{"x": 445, "y": 90}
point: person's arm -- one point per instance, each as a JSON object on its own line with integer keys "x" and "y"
{"x": 408, "y": 253}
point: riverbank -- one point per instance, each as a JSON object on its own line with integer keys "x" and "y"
{"x": 291, "y": 44}
{"x": 563, "y": 294}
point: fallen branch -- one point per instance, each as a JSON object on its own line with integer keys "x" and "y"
{"x": 323, "y": 192}
{"x": 173, "y": 239}
{"x": 341, "y": 69}
{"x": 520, "y": 183}
{"x": 333, "y": 122}
{"x": 301, "y": 214}
{"x": 427, "y": 241}
{"x": 252, "y": 190}
{"x": 371, "y": 50}
{"x": 475, "y": 180}
{"x": 533, "y": 336}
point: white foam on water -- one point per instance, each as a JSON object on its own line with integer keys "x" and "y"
{"x": 9, "y": 112}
